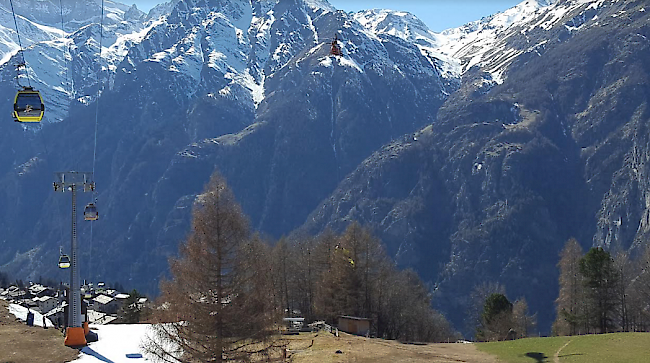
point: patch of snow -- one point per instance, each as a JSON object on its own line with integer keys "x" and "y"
{"x": 349, "y": 62}
{"x": 20, "y": 312}
{"x": 118, "y": 50}
{"x": 115, "y": 342}
{"x": 320, "y": 5}
{"x": 326, "y": 62}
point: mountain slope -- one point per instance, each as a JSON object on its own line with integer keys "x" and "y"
{"x": 474, "y": 153}
{"x": 245, "y": 87}
{"x": 493, "y": 189}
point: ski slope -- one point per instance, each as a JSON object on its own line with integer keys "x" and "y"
{"x": 115, "y": 342}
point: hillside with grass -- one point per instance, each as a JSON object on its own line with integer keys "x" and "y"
{"x": 605, "y": 348}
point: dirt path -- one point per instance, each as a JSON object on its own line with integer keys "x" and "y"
{"x": 364, "y": 350}
{"x": 556, "y": 357}
{"x": 20, "y": 343}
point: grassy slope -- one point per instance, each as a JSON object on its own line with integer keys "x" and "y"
{"x": 20, "y": 343}
{"x": 605, "y": 348}
{"x": 321, "y": 348}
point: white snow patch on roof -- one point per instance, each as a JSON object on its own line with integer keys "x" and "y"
{"x": 20, "y": 312}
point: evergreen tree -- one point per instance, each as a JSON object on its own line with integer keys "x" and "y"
{"x": 477, "y": 299}
{"x": 131, "y": 310}
{"x": 496, "y": 319}
{"x": 4, "y": 280}
{"x": 219, "y": 306}
{"x": 601, "y": 279}
{"x": 570, "y": 304}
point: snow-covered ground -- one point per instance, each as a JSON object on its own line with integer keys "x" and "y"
{"x": 115, "y": 341}
{"x": 20, "y": 312}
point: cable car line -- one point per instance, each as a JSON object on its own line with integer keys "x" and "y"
{"x": 63, "y": 50}
{"x": 28, "y": 103}
{"x": 90, "y": 213}
{"x": 99, "y": 72}
{"x": 20, "y": 44}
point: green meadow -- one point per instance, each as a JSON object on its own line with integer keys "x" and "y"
{"x": 605, "y": 348}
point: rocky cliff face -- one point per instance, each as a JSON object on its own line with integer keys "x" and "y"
{"x": 512, "y": 169}
{"x": 473, "y": 153}
{"x": 248, "y": 88}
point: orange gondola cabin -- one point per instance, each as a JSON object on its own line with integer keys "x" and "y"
{"x": 335, "y": 47}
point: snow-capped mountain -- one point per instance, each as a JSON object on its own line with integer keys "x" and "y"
{"x": 430, "y": 138}
{"x": 486, "y": 43}
{"x": 240, "y": 44}
{"x": 175, "y": 83}
{"x": 64, "y": 64}
{"x": 541, "y": 142}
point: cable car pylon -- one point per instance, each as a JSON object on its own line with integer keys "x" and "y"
{"x": 71, "y": 181}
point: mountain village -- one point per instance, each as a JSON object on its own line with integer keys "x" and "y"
{"x": 101, "y": 305}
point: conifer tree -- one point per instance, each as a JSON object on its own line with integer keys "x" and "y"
{"x": 219, "y": 304}
{"x": 638, "y": 293}
{"x": 131, "y": 310}
{"x": 601, "y": 279}
{"x": 496, "y": 319}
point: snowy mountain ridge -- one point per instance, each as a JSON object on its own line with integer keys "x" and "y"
{"x": 482, "y": 43}
{"x": 234, "y": 39}
{"x": 68, "y": 72}
{"x": 408, "y": 130}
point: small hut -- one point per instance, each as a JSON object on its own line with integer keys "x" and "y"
{"x": 354, "y": 325}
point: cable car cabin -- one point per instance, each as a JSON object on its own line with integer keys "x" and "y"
{"x": 64, "y": 261}
{"x": 90, "y": 213}
{"x": 336, "y": 48}
{"x": 28, "y": 106}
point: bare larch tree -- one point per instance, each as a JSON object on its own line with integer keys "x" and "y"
{"x": 219, "y": 305}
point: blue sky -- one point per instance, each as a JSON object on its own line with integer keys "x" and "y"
{"x": 437, "y": 14}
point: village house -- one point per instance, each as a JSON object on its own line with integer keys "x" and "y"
{"x": 16, "y": 294}
{"x": 105, "y": 304}
{"x": 56, "y": 315}
{"x": 38, "y": 290}
{"x": 45, "y": 303}
{"x": 354, "y": 325}
{"x": 96, "y": 317}
{"x": 121, "y": 299}
{"x": 142, "y": 302}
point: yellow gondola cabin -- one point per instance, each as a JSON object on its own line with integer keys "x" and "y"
{"x": 28, "y": 106}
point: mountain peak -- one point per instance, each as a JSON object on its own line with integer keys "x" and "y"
{"x": 401, "y": 24}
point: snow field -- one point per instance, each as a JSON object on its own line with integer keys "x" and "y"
{"x": 115, "y": 342}
{"x": 20, "y": 312}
